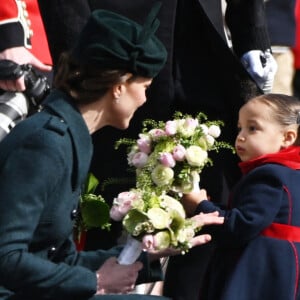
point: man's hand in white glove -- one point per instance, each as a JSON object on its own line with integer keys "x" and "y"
{"x": 262, "y": 68}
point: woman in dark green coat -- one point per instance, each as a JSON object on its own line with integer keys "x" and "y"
{"x": 44, "y": 162}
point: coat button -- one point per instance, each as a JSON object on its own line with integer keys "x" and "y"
{"x": 51, "y": 251}
{"x": 74, "y": 214}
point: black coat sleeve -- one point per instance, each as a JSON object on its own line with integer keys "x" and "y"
{"x": 63, "y": 20}
{"x": 247, "y": 23}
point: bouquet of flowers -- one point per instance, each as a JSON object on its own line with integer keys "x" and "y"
{"x": 167, "y": 157}
{"x": 156, "y": 221}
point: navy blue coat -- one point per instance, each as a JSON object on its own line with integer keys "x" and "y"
{"x": 248, "y": 265}
{"x": 43, "y": 165}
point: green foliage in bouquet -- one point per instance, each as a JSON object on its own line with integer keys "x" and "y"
{"x": 168, "y": 156}
{"x": 94, "y": 211}
{"x": 158, "y": 221}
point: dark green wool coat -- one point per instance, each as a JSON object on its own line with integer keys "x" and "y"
{"x": 43, "y": 164}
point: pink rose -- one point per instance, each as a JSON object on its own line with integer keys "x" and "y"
{"x": 115, "y": 213}
{"x": 144, "y": 144}
{"x": 139, "y": 159}
{"x": 156, "y": 133}
{"x": 121, "y": 205}
{"x": 191, "y": 123}
{"x": 148, "y": 242}
{"x": 171, "y": 127}
{"x": 167, "y": 160}
{"x": 179, "y": 153}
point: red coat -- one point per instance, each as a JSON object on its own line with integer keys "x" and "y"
{"x": 296, "y": 49}
{"x": 21, "y": 25}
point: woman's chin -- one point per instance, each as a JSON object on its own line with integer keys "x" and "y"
{"x": 122, "y": 126}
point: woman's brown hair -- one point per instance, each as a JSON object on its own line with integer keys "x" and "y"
{"x": 86, "y": 83}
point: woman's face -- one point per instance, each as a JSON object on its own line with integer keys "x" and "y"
{"x": 131, "y": 96}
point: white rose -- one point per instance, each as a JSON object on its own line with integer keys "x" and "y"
{"x": 195, "y": 156}
{"x": 214, "y": 131}
{"x": 204, "y": 129}
{"x": 210, "y": 140}
{"x": 162, "y": 175}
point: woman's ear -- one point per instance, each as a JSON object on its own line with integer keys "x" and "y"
{"x": 290, "y": 137}
{"x": 117, "y": 90}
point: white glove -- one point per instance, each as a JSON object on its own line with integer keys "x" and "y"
{"x": 262, "y": 67}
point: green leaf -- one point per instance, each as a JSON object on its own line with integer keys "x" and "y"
{"x": 177, "y": 221}
{"x": 133, "y": 219}
{"x": 91, "y": 184}
{"x": 94, "y": 212}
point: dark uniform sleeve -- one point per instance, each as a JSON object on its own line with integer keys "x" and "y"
{"x": 247, "y": 23}
{"x": 14, "y": 25}
{"x": 63, "y": 20}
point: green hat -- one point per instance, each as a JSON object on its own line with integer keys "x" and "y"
{"x": 112, "y": 41}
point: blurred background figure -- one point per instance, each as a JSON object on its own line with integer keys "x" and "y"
{"x": 282, "y": 32}
{"x": 23, "y": 38}
{"x": 25, "y": 62}
{"x": 296, "y": 51}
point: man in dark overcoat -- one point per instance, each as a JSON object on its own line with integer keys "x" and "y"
{"x": 203, "y": 73}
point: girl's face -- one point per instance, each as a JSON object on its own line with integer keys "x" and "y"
{"x": 132, "y": 95}
{"x": 259, "y": 133}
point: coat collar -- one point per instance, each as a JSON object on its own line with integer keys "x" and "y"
{"x": 62, "y": 106}
{"x": 289, "y": 157}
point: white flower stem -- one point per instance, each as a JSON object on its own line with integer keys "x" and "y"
{"x": 131, "y": 251}
{"x": 196, "y": 180}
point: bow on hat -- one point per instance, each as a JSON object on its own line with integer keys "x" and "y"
{"x": 112, "y": 41}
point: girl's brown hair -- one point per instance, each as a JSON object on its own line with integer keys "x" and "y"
{"x": 285, "y": 109}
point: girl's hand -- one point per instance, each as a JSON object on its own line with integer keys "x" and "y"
{"x": 191, "y": 200}
{"x": 201, "y": 220}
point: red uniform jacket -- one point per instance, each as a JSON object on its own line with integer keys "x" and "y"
{"x": 296, "y": 49}
{"x": 21, "y": 25}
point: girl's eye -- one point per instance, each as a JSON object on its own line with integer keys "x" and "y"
{"x": 252, "y": 128}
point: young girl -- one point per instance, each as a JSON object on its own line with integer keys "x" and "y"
{"x": 258, "y": 246}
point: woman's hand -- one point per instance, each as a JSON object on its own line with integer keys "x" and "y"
{"x": 113, "y": 278}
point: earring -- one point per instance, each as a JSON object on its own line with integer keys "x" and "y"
{"x": 117, "y": 100}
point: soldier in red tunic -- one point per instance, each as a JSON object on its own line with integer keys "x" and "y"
{"x": 23, "y": 39}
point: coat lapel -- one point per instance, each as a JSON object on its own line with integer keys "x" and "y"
{"x": 213, "y": 11}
